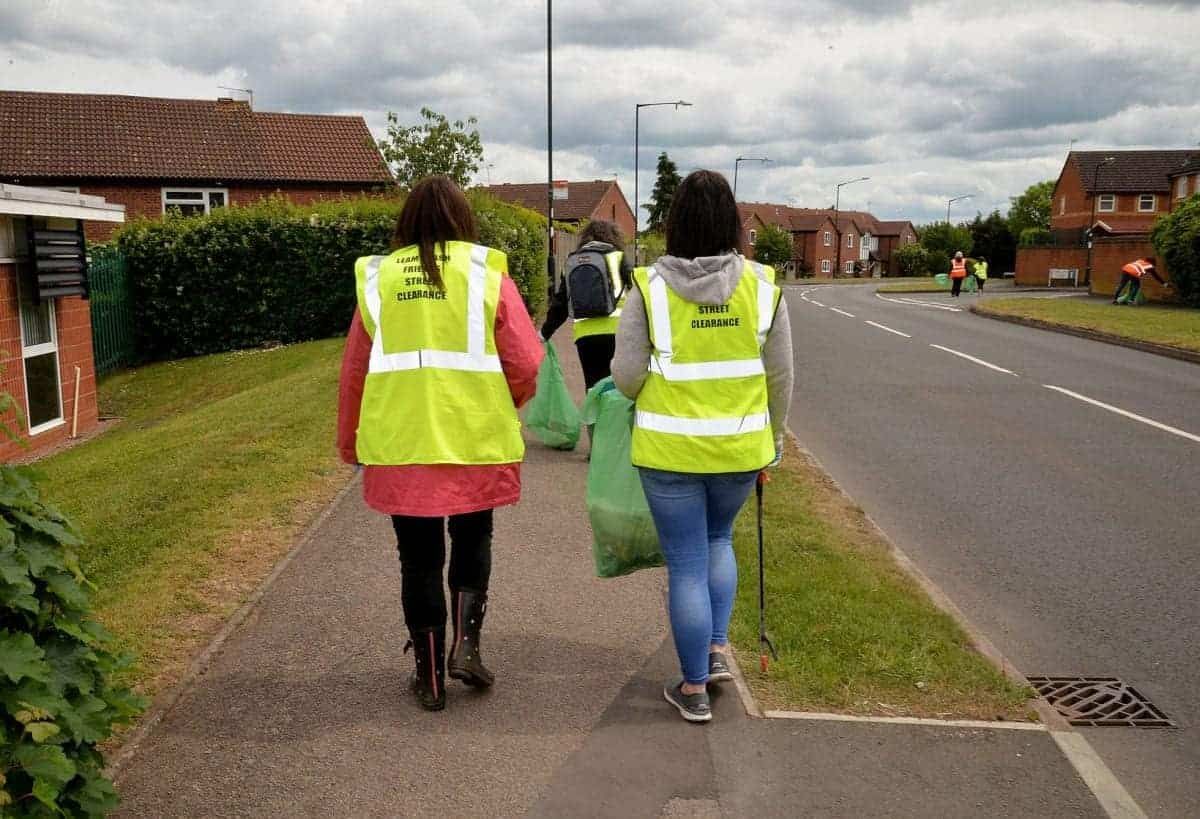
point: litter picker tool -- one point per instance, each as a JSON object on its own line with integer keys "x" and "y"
{"x": 764, "y": 642}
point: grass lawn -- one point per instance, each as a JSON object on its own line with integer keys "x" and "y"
{"x": 898, "y": 281}
{"x": 855, "y": 634}
{"x": 923, "y": 285}
{"x": 1158, "y": 324}
{"x": 190, "y": 501}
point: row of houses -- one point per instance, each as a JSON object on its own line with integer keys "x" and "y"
{"x": 828, "y": 243}
{"x": 1102, "y": 210}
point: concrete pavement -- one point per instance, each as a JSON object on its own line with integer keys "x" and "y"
{"x": 1061, "y": 527}
{"x": 303, "y": 710}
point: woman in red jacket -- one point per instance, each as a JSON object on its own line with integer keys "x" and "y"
{"x": 435, "y": 224}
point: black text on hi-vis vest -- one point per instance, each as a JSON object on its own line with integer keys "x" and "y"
{"x": 589, "y": 285}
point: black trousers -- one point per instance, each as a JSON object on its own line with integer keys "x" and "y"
{"x": 422, "y": 546}
{"x": 595, "y": 357}
{"x": 955, "y": 286}
{"x": 1135, "y": 285}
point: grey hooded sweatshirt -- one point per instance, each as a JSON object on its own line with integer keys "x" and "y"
{"x": 704, "y": 280}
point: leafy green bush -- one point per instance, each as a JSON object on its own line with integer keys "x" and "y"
{"x": 915, "y": 260}
{"x": 773, "y": 246}
{"x": 1176, "y": 238}
{"x": 57, "y": 698}
{"x": 943, "y": 240}
{"x": 1034, "y": 236}
{"x": 277, "y": 273}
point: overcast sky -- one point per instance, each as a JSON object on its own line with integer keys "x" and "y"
{"x": 929, "y": 99}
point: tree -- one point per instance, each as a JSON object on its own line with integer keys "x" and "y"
{"x": 1032, "y": 208}
{"x": 942, "y": 240}
{"x": 435, "y": 146}
{"x": 773, "y": 246}
{"x": 653, "y": 245}
{"x": 1176, "y": 238}
{"x": 664, "y": 192}
{"x": 992, "y": 240}
{"x": 915, "y": 260}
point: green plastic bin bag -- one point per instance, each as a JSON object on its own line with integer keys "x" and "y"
{"x": 623, "y": 535}
{"x": 942, "y": 280}
{"x": 551, "y": 413}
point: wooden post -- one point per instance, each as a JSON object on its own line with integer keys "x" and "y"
{"x": 75, "y": 413}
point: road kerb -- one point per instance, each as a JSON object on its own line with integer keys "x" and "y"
{"x": 1092, "y": 335}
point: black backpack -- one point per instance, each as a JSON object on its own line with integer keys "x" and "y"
{"x": 589, "y": 285}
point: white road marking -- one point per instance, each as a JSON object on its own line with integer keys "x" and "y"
{"x": 1108, "y": 790}
{"x": 889, "y": 329}
{"x": 909, "y": 302}
{"x": 944, "y": 723}
{"x": 814, "y": 301}
{"x": 842, "y": 312}
{"x": 1148, "y": 421}
{"x": 972, "y": 358}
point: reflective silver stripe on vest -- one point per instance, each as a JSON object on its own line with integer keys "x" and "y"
{"x": 661, "y": 361}
{"x": 475, "y": 359}
{"x": 700, "y": 427}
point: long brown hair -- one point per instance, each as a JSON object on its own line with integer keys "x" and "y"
{"x": 602, "y": 230}
{"x": 435, "y": 212}
{"x": 703, "y": 220}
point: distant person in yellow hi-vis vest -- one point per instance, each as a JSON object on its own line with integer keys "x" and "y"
{"x": 440, "y": 355}
{"x": 704, "y": 348}
{"x": 596, "y": 266}
{"x": 980, "y": 272}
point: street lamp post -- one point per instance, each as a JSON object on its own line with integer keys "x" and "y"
{"x": 1108, "y": 160}
{"x": 549, "y": 154}
{"x": 739, "y": 161}
{"x": 950, "y": 202}
{"x": 637, "y": 113}
{"x": 837, "y": 227}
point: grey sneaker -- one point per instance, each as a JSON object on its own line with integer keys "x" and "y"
{"x": 692, "y": 707}
{"x": 718, "y": 668}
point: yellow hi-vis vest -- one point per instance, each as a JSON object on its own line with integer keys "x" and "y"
{"x": 703, "y": 408}
{"x": 435, "y": 392}
{"x": 607, "y": 325}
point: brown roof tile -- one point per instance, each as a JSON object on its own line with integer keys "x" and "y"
{"x": 114, "y": 136}
{"x": 1131, "y": 171}
{"x": 582, "y": 197}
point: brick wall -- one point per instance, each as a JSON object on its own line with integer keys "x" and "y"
{"x": 74, "y": 325}
{"x": 1110, "y": 255}
{"x": 144, "y": 199}
{"x": 1034, "y": 263}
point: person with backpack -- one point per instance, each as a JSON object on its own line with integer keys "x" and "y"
{"x": 591, "y": 291}
{"x": 440, "y": 355}
{"x": 704, "y": 349}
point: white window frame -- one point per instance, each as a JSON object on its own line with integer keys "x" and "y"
{"x": 850, "y": 241}
{"x": 828, "y": 239}
{"x": 850, "y": 266}
{"x": 826, "y": 266}
{"x": 1153, "y": 203}
{"x": 36, "y": 350}
{"x": 1112, "y": 203}
{"x": 753, "y": 235}
{"x": 163, "y": 194}
{"x": 1181, "y": 188}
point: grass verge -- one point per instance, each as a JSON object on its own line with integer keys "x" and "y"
{"x": 915, "y": 286}
{"x": 855, "y": 633}
{"x": 1154, "y": 323}
{"x": 189, "y": 502}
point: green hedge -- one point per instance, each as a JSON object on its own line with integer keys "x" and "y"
{"x": 276, "y": 273}
{"x": 1176, "y": 238}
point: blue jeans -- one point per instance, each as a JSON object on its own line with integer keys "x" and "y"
{"x": 694, "y": 517}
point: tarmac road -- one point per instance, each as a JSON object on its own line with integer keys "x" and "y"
{"x": 1067, "y": 530}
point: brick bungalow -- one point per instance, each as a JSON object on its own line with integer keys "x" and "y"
{"x": 574, "y": 203}
{"x": 151, "y": 154}
{"x": 867, "y": 243}
{"x": 45, "y": 324}
{"x": 1116, "y": 202}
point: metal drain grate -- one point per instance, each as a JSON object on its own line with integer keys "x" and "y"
{"x": 1100, "y": 701}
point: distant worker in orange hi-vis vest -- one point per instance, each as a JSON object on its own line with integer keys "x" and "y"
{"x": 958, "y": 272}
{"x": 1131, "y": 274}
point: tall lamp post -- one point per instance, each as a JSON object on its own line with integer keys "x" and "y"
{"x": 549, "y": 153}
{"x": 637, "y": 113}
{"x": 950, "y": 202}
{"x": 1108, "y": 160}
{"x": 739, "y": 161}
{"x": 837, "y": 227}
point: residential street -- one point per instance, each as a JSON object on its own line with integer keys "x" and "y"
{"x": 1066, "y": 530}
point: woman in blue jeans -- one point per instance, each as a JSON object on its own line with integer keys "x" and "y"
{"x": 704, "y": 349}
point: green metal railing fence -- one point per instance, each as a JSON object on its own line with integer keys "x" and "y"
{"x": 112, "y": 310}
